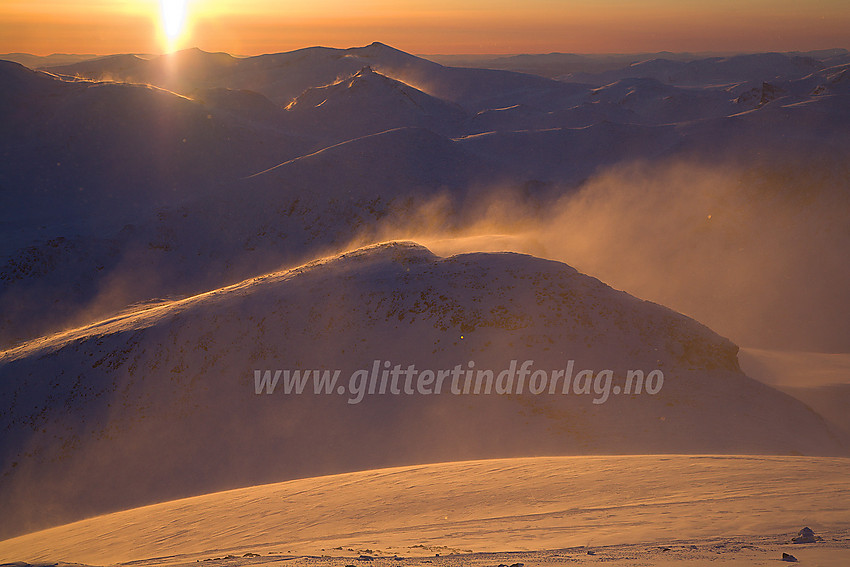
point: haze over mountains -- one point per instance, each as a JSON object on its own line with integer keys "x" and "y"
{"x": 533, "y": 134}
{"x": 165, "y": 399}
{"x": 162, "y": 219}
{"x": 160, "y": 162}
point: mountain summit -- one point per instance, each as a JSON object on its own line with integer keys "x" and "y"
{"x": 183, "y": 383}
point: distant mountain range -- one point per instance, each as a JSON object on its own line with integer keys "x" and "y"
{"x": 551, "y": 65}
{"x": 119, "y": 171}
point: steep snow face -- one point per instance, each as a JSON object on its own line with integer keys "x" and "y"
{"x": 164, "y": 398}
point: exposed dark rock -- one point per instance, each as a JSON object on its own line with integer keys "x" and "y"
{"x": 806, "y": 535}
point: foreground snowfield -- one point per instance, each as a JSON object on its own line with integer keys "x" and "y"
{"x": 537, "y": 511}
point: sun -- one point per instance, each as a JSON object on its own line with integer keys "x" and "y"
{"x": 173, "y": 14}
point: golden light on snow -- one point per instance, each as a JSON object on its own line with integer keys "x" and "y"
{"x": 488, "y": 506}
{"x": 173, "y": 14}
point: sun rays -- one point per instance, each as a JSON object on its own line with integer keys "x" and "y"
{"x": 173, "y": 16}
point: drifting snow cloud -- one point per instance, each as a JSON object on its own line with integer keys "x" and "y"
{"x": 758, "y": 254}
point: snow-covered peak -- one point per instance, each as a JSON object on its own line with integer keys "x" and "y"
{"x": 385, "y": 55}
{"x": 371, "y": 88}
{"x": 176, "y": 381}
{"x": 368, "y": 102}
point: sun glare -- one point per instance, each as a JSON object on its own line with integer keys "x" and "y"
{"x": 173, "y": 13}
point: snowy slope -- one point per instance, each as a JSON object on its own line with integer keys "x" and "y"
{"x": 820, "y": 380}
{"x": 149, "y": 178}
{"x": 710, "y": 71}
{"x": 654, "y": 102}
{"x": 555, "y": 65}
{"x": 37, "y": 61}
{"x": 103, "y": 178}
{"x": 178, "y": 71}
{"x": 87, "y": 148}
{"x": 202, "y": 171}
{"x": 341, "y": 111}
{"x": 387, "y": 165}
{"x": 86, "y": 170}
{"x": 284, "y": 76}
{"x": 164, "y": 399}
{"x": 570, "y": 155}
{"x": 463, "y": 513}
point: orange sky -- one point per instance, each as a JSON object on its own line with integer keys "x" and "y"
{"x": 437, "y": 26}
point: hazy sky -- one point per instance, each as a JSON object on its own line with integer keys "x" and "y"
{"x": 424, "y": 26}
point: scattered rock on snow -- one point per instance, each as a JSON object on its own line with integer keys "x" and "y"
{"x": 806, "y": 535}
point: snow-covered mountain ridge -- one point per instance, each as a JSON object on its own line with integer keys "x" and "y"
{"x": 129, "y": 174}
{"x": 165, "y": 398}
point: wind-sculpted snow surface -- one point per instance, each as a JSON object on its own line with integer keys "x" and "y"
{"x": 546, "y": 511}
{"x": 167, "y": 400}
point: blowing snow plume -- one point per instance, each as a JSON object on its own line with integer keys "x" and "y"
{"x": 503, "y": 355}
{"x": 755, "y": 251}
